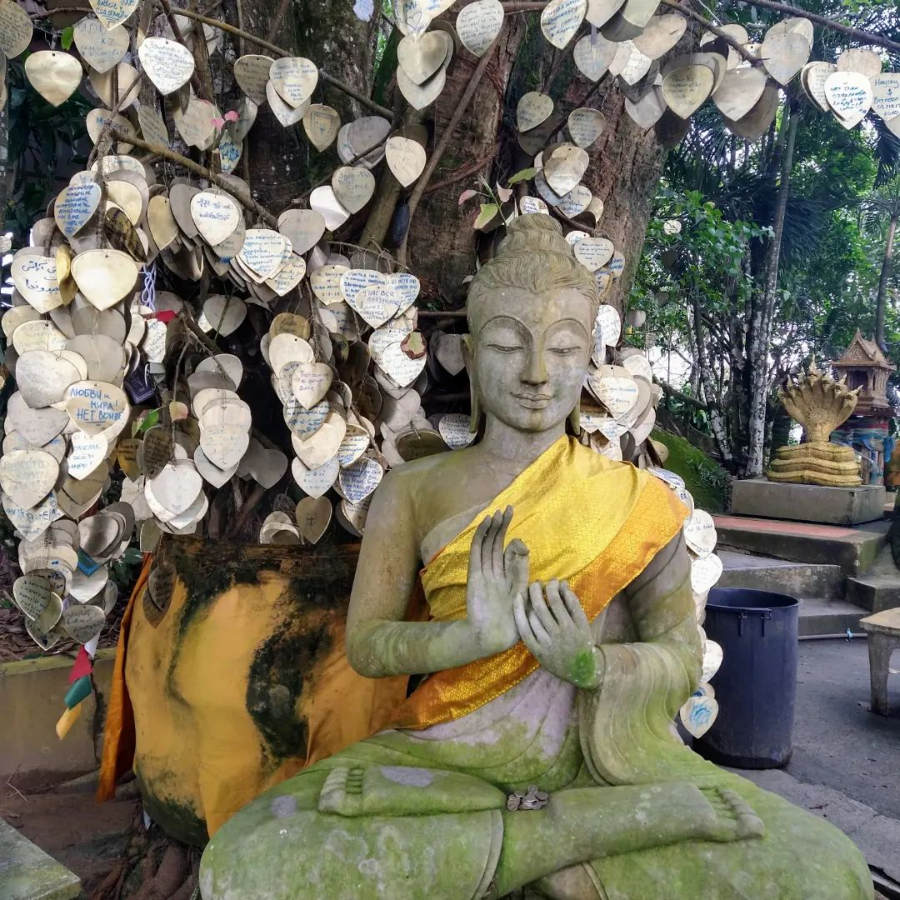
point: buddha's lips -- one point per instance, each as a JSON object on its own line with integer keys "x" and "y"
{"x": 537, "y": 401}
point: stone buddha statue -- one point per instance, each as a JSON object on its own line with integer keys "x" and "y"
{"x": 536, "y": 750}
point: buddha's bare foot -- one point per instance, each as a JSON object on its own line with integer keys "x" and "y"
{"x": 730, "y": 817}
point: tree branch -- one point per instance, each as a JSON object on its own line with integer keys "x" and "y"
{"x": 866, "y": 37}
{"x": 684, "y": 398}
{"x": 274, "y": 48}
{"x": 202, "y": 171}
{"x": 706, "y": 23}
{"x": 461, "y": 108}
{"x": 860, "y": 35}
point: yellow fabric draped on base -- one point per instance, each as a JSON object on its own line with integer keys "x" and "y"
{"x": 587, "y": 519}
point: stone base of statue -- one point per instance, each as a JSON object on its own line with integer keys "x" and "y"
{"x": 821, "y": 463}
{"x": 808, "y": 502}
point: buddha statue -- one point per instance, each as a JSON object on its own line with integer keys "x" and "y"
{"x": 536, "y": 750}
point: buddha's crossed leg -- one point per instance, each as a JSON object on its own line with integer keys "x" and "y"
{"x": 371, "y": 831}
{"x": 581, "y": 824}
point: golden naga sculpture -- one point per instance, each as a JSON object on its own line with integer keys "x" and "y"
{"x": 820, "y": 404}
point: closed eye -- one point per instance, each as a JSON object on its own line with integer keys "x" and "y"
{"x": 504, "y": 348}
{"x": 564, "y": 351}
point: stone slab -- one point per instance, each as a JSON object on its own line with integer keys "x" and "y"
{"x": 766, "y": 573}
{"x": 818, "y": 618}
{"x": 853, "y": 549}
{"x": 808, "y": 502}
{"x": 31, "y": 701}
{"x": 27, "y": 873}
{"x": 885, "y": 622}
{"x": 874, "y": 591}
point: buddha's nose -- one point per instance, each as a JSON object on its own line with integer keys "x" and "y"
{"x": 535, "y": 370}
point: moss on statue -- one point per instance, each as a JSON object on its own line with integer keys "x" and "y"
{"x": 177, "y": 819}
{"x": 275, "y": 683}
{"x": 206, "y": 576}
{"x": 705, "y": 478}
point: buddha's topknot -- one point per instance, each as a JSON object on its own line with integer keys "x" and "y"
{"x": 534, "y": 256}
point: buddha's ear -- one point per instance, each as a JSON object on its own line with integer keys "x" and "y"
{"x": 476, "y": 418}
{"x": 468, "y": 351}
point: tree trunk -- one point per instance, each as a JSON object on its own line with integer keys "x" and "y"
{"x": 281, "y": 161}
{"x": 709, "y": 393}
{"x": 442, "y": 243}
{"x": 626, "y": 166}
{"x": 626, "y": 163}
{"x": 881, "y": 298}
{"x": 761, "y": 320}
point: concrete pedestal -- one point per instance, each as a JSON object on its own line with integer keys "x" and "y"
{"x": 27, "y": 873}
{"x": 808, "y": 502}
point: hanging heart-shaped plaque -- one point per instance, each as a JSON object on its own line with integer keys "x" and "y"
{"x": 295, "y": 78}
{"x": 478, "y": 24}
{"x": 405, "y": 158}
{"x": 104, "y": 277}
{"x": 101, "y": 48}
{"x": 114, "y": 12}
{"x": 168, "y": 64}
{"x": 53, "y": 74}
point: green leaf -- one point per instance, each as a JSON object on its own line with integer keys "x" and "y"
{"x": 523, "y": 175}
{"x": 486, "y": 215}
{"x": 67, "y": 37}
{"x": 149, "y": 420}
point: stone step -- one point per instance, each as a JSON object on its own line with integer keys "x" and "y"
{"x": 27, "y": 873}
{"x": 818, "y": 617}
{"x": 874, "y": 592}
{"x": 853, "y": 549}
{"x": 797, "y": 579}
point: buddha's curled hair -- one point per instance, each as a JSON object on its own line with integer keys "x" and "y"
{"x": 534, "y": 256}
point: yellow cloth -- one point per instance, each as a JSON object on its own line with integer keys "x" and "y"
{"x": 187, "y": 712}
{"x": 587, "y": 519}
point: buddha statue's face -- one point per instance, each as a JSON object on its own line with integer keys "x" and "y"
{"x": 529, "y": 355}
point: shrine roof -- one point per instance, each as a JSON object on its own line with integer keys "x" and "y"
{"x": 862, "y": 353}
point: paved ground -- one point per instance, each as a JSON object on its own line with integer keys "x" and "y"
{"x": 846, "y": 761}
{"x": 837, "y": 741}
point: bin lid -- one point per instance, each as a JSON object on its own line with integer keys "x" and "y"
{"x": 735, "y": 599}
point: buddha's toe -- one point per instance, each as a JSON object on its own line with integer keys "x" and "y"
{"x": 735, "y": 818}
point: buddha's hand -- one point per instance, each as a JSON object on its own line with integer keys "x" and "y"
{"x": 496, "y": 577}
{"x": 553, "y": 626}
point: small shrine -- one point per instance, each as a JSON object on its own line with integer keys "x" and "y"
{"x": 864, "y": 366}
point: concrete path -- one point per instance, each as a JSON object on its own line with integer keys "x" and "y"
{"x": 846, "y": 760}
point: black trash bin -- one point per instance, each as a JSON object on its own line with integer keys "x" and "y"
{"x": 757, "y": 682}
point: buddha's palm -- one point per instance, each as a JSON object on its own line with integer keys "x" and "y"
{"x": 496, "y": 576}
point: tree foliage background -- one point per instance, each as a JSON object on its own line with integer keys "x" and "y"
{"x": 705, "y": 291}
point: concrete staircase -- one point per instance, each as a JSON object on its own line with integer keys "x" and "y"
{"x": 877, "y": 588}
{"x": 854, "y": 549}
{"x": 839, "y": 574}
